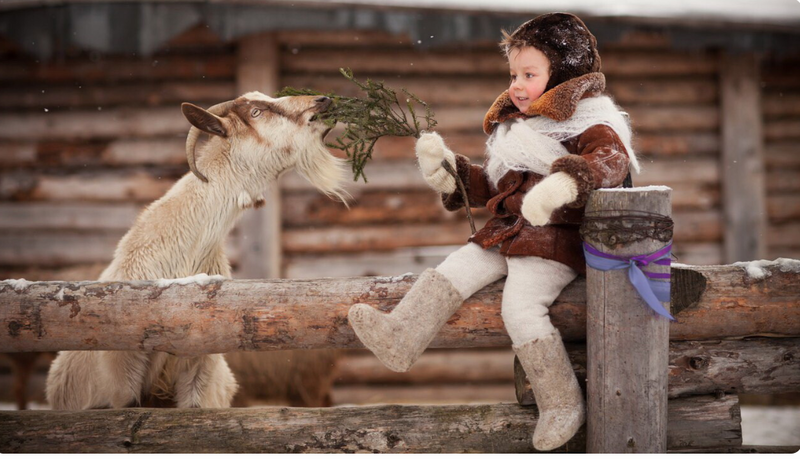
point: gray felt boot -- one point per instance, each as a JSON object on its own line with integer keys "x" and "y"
{"x": 400, "y": 337}
{"x": 562, "y": 409}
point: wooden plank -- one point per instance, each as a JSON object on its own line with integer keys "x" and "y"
{"x": 129, "y": 94}
{"x": 95, "y": 124}
{"x": 429, "y": 394}
{"x": 677, "y": 144}
{"x": 80, "y": 272}
{"x": 69, "y": 216}
{"x": 626, "y": 398}
{"x": 782, "y": 180}
{"x": 293, "y": 39}
{"x": 747, "y": 366}
{"x": 710, "y": 302}
{"x": 782, "y": 129}
{"x": 784, "y": 234}
{"x": 496, "y": 428}
{"x": 690, "y": 227}
{"x": 373, "y": 62}
{"x": 698, "y": 253}
{"x": 743, "y": 157}
{"x": 779, "y": 155}
{"x": 115, "y": 186}
{"x": 120, "y": 152}
{"x": 433, "y": 367}
{"x": 413, "y": 259}
{"x": 51, "y": 249}
{"x": 258, "y": 68}
{"x": 691, "y": 91}
{"x": 674, "y": 118}
{"x": 783, "y": 208}
{"x": 118, "y": 69}
{"x": 779, "y": 105}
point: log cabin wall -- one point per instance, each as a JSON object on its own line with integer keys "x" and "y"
{"x": 87, "y": 140}
{"x": 781, "y": 114}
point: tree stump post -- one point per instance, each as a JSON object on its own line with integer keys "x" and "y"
{"x": 627, "y": 343}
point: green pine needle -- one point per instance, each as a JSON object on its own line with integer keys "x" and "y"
{"x": 366, "y": 119}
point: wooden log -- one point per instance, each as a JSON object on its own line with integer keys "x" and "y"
{"x": 710, "y": 302}
{"x": 779, "y": 155}
{"x": 433, "y": 367}
{"x": 135, "y": 185}
{"x": 674, "y": 118}
{"x": 71, "y": 216}
{"x": 484, "y": 62}
{"x": 691, "y": 144}
{"x": 121, "y": 152}
{"x": 48, "y": 249}
{"x": 744, "y": 449}
{"x": 779, "y": 105}
{"x": 747, "y": 366}
{"x": 695, "y": 422}
{"x": 782, "y": 180}
{"x": 742, "y": 153}
{"x": 782, "y": 129}
{"x": 784, "y": 234}
{"x": 392, "y": 263}
{"x": 435, "y": 394}
{"x": 97, "y": 95}
{"x": 119, "y": 69}
{"x": 698, "y": 253}
{"x": 692, "y": 91}
{"x": 627, "y": 345}
{"x": 783, "y": 208}
{"x": 95, "y": 124}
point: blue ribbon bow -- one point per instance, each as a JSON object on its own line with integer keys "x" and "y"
{"x": 652, "y": 292}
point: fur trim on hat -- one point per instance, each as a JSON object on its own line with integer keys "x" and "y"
{"x": 558, "y": 103}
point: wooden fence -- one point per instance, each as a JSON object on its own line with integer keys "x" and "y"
{"x": 737, "y": 331}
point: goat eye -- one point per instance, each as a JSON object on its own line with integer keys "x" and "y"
{"x": 255, "y": 112}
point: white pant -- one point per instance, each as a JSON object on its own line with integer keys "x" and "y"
{"x": 532, "y": 285}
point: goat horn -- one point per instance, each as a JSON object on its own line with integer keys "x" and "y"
{"x": 194, "y": 134}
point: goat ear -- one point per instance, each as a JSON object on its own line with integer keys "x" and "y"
{"x": 204, "y": 120}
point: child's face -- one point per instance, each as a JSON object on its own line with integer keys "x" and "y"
{"x": 530, "y": 70}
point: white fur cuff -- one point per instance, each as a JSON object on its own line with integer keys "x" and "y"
{"x": 551, "y": 193}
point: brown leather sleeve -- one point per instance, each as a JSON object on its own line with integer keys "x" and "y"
{"x": 601, "y": 162}
{"x": 476, "y": 184}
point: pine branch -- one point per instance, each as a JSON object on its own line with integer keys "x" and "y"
{"x": 366, "y": 119}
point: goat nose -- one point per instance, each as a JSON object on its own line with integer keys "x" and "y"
{"x": 323, "y": 103}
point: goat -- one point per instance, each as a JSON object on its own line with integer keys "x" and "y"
{"x": 253, "y": 139}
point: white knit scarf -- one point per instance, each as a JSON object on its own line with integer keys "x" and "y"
{"x": 533, "y": 144}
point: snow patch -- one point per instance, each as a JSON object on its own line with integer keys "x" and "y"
{"x": 638, "y": 188}
{"x": 756, "y": 269}
{"x": 399, "y": 278}
{"x": 199, "y": 279}
{"x": 18, "y": 284}
{"x": 60, "y": 295}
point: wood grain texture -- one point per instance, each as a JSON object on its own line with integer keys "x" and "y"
{"x": 743, "y": 191}
{"x": 627, "y": 345}
{"x": 226, "y": 316}
{"x": 499, "y": 428}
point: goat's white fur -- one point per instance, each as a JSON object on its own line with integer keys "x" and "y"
{"x": 182, "y": 234}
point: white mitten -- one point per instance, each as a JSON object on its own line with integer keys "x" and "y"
{"x": 431, "y": 150}
{"x": 548, "y": 195}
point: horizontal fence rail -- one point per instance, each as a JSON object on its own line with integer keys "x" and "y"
{"x": 694, "y": 422}
{"x": 217, "y": 316}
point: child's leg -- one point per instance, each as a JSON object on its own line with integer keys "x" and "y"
{"x": 471, "y": 268}
{"x": 532, "y": 286}
{"x": 399, "y": 338}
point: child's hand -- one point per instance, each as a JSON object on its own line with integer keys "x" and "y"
{"x": 431, "y": 151}
{"x": 548, "y": 195}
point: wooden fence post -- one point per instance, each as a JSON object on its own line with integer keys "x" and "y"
{"x": 627, "y": 344}
{"x": 258, "y": 69}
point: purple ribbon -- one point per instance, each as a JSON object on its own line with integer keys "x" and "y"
{"x": 653, "y": 292}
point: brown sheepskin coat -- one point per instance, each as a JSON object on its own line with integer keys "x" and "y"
{"x": 598, "y": 159}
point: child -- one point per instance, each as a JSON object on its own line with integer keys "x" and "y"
{"x": 553, "y": 139}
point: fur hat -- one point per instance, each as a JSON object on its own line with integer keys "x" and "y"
{"x": 564, "y": 39}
